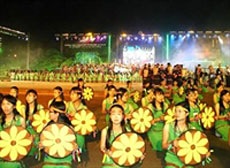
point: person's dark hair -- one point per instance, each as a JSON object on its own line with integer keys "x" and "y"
{"x": 159, "y": 91}
{"x": 62, "y": 118}
{"x": 110, "y": 80}
{"x": 1, "y": 97}
{"x": 15, "y": 88}
{"x": 27, "y": 104}
{"x": 219, "y": 84}
{"x": 80, "y": 80}
{"x": 110, "y": 126}
{"x": 59, "y": 88}
{"x": 128, "y": 82}
{"x": 13, "y": 101}
{"x": 120, "y": 93}
{"x": 110, "y": 88}
{"x": 222, "y": 108}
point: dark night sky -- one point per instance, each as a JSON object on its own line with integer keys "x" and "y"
{"x": 45, "y": 18}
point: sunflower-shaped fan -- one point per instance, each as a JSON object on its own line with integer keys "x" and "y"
{"x": 58, "y": 140}
{"x": 193, "y": 147}
{"x": 202, "y": 106}
{"x": 40, "y": 119}
{"x": 84, "y": 122}
{"x": 15, "y": 143}
{"x": 170, "y": 114}
{"x": 127, "y": 149}
{"x": 141, "y": 120}
{"x": 88, "y": 93}
{"x": 136, "y": 96}
{"x": 208, "y": 117}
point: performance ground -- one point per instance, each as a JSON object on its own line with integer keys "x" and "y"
{"x": 220, "y": 157}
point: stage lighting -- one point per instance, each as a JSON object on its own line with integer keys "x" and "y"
{"x": 160, "y": 39}
{"x": 188, "y": 35}
{"x": 135, "y": 38}
{"x": 180, "y": 36}
{"x": 196, "y": 35}
{"x": 172, "y": 36}
{"x": 128, "y": 38}
{"x": 120, "y": 38}
{"x": 220, "y": 40}
{"x": 204, "y": 35}
{"x": 143, "y": 38}
{"x": 227, "y": 35}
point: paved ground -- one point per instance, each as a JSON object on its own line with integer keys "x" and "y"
{"x": 221, "y": 155}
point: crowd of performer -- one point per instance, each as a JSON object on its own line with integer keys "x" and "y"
{"x": 163, "y": 87}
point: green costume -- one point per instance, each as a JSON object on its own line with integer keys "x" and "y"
{"x": 155, "y": 133}
{"x": 130, "y": 100}
{"x": 223, "y": 126}
{"x": 50, "y": 162}
{"x": 108, "y": 104}
{"x": 171, "y": 159}
{"x": 7, "y": 164}
{"x": 192, "y": 113}
{"x": 178, "y": 98}
{"x": 146, "y": 101}
{"x": 80, "y": 138}
{"x": 107, "y": 161}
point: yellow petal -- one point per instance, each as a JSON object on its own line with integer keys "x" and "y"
{"x": 196, "y": 137}
{"x": 5, "y": 136}
{"x": 137, "y": 153}
{"x": 202, "y": 150}
{"x": 40, "y": 127}
{"x": 77, "y": 128}
{"x": 118, "y": 145}
{"x": 117, "y": 154}
{"x": 55, "y": 129}
{"x": 3, "y": 143}
{"x": 124, "y": 139}
{"x": 13, "y": 132}
{"x": 183, "y": 144}
{"x": 75, "y": 122}
{"x": 188, "y": 157}
{"x": 48, "y": 135}
{"x": 131, "y": 159}
{"x": 24, "y": 142}
{"x": 5, "y": 151}
{"x": 61, "y": 151}
{"x": 83, "y": 114}
{"x": 188, "y": 137}
{"x": 68, "y": 146}
{"x": 21, "y": 150}
{"x": 135, "y": 115}
{"x": 196, "y": 156}
{"x": 91, "y": 122}
{"x": 53, "y": 150}
{"x": 47, "y": 142}
{"x": 64, "y": 131}
{"x": 134, "y": 121}
{"x": 202, "y": 142}
{"x": 139, "y": 144}
{"x": 137, "y": 126}
{"x": 183, "y": 151}
{"x": 142, "y": 127}
{"x": 37, "y": 117}
{"x": 21, "y": 135}
{"x": 89, "y": 116}
{"x": 122, "y": 159}
{"x": 13, "y": 154}
{"x": 83, "y": 130}
{"x": 148, "y": 124}
{"x": 133, "y": 139}
{"x": 89, "y": 128}
{"x": 69, "y": 138}
{"x": 36, "y": 123}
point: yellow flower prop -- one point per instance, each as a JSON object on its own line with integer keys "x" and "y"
{"x": 127, "y": 149}
{"x": 141, "y": 120}
{"x": 40, "y": 119}
{"x": 170, "y": 115}
{"x": 208, "y": 117}
{"x": 202, "y": 106}
{"x": 136, "y": 96}
{"x": 192, "y": 147}
{"x": 88, "y": 93}
{"x": 58, "y": 140}
{"x": 84, "y": 122}
{"x": 15, "y": 143}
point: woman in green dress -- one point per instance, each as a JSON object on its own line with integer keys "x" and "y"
{"x": 108, "y": 102}
{"x": 73, "y": 106}
{"x": 194, "y": 110}
{"x": 109, "y": 83}
{"x": 14, "y": 91}
{"x": 30, "y": 108}
{"x": 171, "y": 132}
{"x": 116, "y": 127}
{"x": 180, "y": 96}
{"x": 216, "y": 95}
{"x": 145, "y": 101}
{"x": 158, "y": 108}
{"x": 223, "y": 111}
{"x": 57, "y": 115}
{"x": 130, "y": 93}
{"x": 10, "y": 117}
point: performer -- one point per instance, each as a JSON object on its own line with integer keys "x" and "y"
{"x": 145, "y": 101}
{"x": 194, "y": 110}
{"x": 58, "y": 95}
{"x": 130, "y": 93}
{"x": 30, "y": 108}
{"x": 109, "y": 83}
{"x": 57, "y": 115}
{"x": 180, "y": 96}
{"x": 14, "y": 92}
{"x": 216, "y": 95}
{"x": 73, "y": 106}
{"x": 116, "y": 127}
{"x": 158, "y": 108}
{"x": 172, "y": 131}
{"x": 223, "y": 111}
{"x": 108, "y": 101}
{"x": 10, "y": 117}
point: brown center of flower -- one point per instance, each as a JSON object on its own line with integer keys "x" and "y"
{"x": 44, "y": 121}
{"x": 83, "y": 122}
{"x": 193, "y": 147}
{"x": 58, "y": 140}
{"x": 128, "y": 149}
{"x": 13, "y": 143}
{"x": 142, "y": 120}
